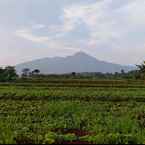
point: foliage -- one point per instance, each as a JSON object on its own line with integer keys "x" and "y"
{"x": 8, "y": 74}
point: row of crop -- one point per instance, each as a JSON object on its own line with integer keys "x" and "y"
{"x": 77, "y": 81}
{"x": 60, "y": 84}
{"x": 66, "y": 93}
{"x": 90, "y": 81}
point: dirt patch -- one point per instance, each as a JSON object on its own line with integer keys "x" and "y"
{"x": 77, "y": 132}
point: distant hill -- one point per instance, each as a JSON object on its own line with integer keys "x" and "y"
{"x": 79, "y": 62}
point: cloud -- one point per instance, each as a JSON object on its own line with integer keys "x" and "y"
{"x": 107, "y": 24}
{"x": 112, "y": 28}
{"x": 38, "y": 26}
{"x": 135, "y": 11}
{"x": 94, "y": 16}
{"x": 27, "y": 34}
{"x": 47, "y": 41}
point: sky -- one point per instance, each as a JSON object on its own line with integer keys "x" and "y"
{"x": 110, "y": 30}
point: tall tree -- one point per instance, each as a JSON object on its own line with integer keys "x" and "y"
{"x": 8, "y": 74}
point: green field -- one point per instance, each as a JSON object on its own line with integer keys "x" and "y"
{"x": 72, "y": 111}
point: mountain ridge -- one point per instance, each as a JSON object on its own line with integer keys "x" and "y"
{"x": 79, "y": 62}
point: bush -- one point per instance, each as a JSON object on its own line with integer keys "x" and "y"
{"x": 50, "y": 138}
{"x": 69, "y": 137}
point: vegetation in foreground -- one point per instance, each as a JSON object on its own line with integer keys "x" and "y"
{"x": 47, "y": 122}
{"x": 71, "y": 109}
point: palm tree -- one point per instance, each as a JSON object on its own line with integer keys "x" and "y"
{"x": 142, "y": 69}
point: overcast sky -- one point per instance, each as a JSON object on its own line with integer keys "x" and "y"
{"x": 110, "y": 30}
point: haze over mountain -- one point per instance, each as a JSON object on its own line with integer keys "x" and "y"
{"x": 79, "y": 62}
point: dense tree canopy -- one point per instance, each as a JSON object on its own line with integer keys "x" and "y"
{"x": 8, "y": 74}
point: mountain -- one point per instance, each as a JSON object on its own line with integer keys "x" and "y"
{"x": 79, "y": 62}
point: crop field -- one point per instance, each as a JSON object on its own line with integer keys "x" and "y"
{"x": 72, "y": 111}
